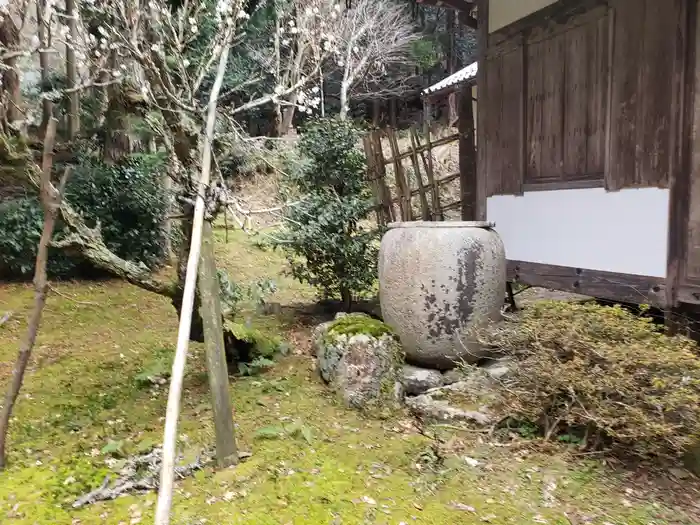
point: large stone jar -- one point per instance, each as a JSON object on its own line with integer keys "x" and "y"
{"x": 438, "y": 280}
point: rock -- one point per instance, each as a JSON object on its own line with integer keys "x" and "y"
{"x": 452, "y": 376}
{"x": 361, "y": 359}
{"x": 417, "y": 381}
{"x": 498, "y": 368}
{"x": 691, "y": 460}
{"x": 441, "y": 411}
{"x": 473, "y": 399}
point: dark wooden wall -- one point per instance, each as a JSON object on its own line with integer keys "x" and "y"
{"x": 583, "y": 93}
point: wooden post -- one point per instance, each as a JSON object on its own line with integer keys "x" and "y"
{"x": 467, "y": 154}
{"x": 401, "y": 182}
{"x": 167, "y": 471}
{"x": 372, "y": 178}
{"x": 380, "y": 163}
{"x": 425, "y": 208}
{"x": 437, "y": 211}
{"x": 482, "y": 45}
{"x": 210, "y": 310}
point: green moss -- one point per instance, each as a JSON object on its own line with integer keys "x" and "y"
{"x": 263, "y": 344}
{"x": 82, "y": 392}
{"x": 358, "y": 323}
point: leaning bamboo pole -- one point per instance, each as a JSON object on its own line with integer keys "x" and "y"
{"x": 167, "y": 473}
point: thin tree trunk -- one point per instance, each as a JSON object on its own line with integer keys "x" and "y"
{"x": 217, "y": 371}
{"x": 72, "y": 71}
{"x": 276, "y": 130}
{"x": 43, "y": 18}
{"x": 9, "y": 38}
{"x": 50, "y": 199}
{"x": 343, "y": 102}
{"x": 287, "y": 120}
{"x": 167, "y": 474}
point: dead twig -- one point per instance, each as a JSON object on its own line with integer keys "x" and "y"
{"x": 6, "y": 318}
{"x": 71, "y": 299}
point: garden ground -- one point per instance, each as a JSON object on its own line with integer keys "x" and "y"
{"x": 86, "y": 390}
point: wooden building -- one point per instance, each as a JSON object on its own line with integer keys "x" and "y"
{"x": 588, "y": 138}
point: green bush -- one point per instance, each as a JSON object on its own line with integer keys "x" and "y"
{"x": 326, "y": 244}
{"x": 127, "y": 200}
{"x": 21, "y": 222}
{"x": 604, "y": 375}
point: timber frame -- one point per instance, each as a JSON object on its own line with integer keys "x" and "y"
{"x": 678, "y": 170}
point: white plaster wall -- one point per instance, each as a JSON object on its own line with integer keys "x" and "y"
{"x": 504, "y": 12}
{"x": 623, "y": 231}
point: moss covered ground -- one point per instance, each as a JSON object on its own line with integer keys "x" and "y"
{"x": 86, "y": 397}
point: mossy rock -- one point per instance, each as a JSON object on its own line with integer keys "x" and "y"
{"x": 360, "y": 357}
{"x": 358, "y": 323}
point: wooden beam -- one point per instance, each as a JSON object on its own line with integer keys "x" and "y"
{"x": 458, "y": 5}
{"x": 482, "y": 48}
{"x": 685, "y": 164}
{"x": 467, "y": 156}
{"x": 217, "y": 370}
{"x": 626, "y": 288}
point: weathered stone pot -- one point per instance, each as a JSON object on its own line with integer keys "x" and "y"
{"x": 438, "y": 280}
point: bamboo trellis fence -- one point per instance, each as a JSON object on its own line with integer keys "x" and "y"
{"x": 395, "y": 199}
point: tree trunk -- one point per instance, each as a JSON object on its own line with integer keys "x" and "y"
{"x": 72, "y": 71}
{"x": 344, "y": 101}
{"x": 50, "y": 200}
{"x": 276, "y": 130}
{"x": 217, "y": 371}
{"x": 287, "y": 120}
{"x": 45, "y": 66}
{"x": 117, "y": 143}
{"x": 9, "y": 39}
{"x": 346, "y": 298}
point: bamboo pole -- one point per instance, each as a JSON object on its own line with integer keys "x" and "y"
{"x": 425, "y": 208}
{"x": 167, "y": 473}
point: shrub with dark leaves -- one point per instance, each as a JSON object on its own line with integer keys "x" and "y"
{"x": 602, "y": 373}
{"x": 127, "y": 200}
{"x": 326, "y": 243}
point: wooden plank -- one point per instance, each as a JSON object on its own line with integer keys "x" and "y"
{"x": 490, "y": 99}
{"x": 553, "y": 109}
{"x": 598, "y": 72}
{"x": 684, "y": 212}
{"x": 626, "y": 288}
{"x": 628, "y": 53}
{"x": 503, "y": 134}
{"x": 481, "y": 83}
{"x": 577, "y": 57}
{"x": 217, "y": 370}
{"x": 547, "y": 20}
{"x": 535, "y": 97}
{"x": 425, "y": 208}
{"x": 467, "y": 156}
{"x": 656, "y": 92}
{"x": 513, "y": 113}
